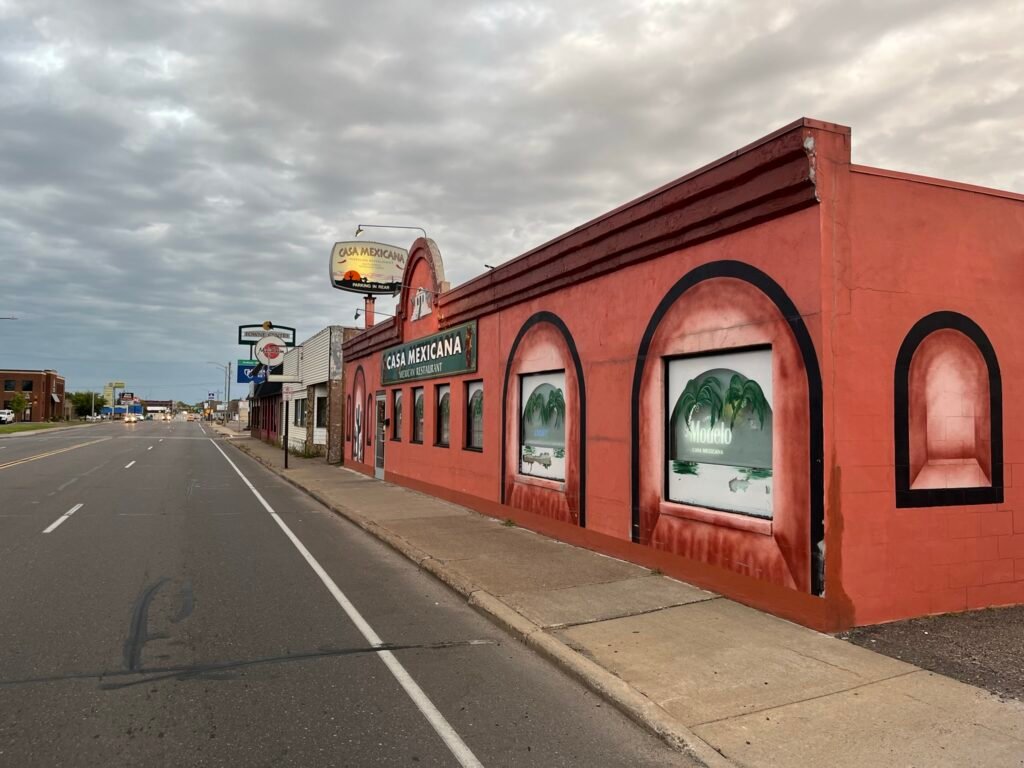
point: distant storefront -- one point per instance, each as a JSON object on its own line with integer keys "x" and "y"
{"x": 780, "y": 377}
{"x": 42, "y": 391}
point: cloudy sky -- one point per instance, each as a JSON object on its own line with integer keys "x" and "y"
{"x": 171, "y": 169}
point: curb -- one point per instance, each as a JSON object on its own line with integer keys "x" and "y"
{"x": 613, "y": 689}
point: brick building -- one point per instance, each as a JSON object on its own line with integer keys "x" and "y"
{"x": 44, "y": 391}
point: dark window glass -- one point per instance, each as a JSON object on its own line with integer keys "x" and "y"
{"x": 26, "y": 385}
{"x": 396, "y": 415}
{"x": 8, "y": 385}
{"x": 417, "y": 416}
{"x": 475, "y": 415}
{"x": 444, "y": 401}
{"x": 321, "y": 412}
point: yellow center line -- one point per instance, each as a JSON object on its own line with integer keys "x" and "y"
{"x": 50, "y": 453}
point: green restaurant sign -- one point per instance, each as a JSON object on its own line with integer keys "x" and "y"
{"x": 448, "y": 353}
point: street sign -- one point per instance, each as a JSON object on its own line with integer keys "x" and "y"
{"x": 211, "y": 395}
{"x": 250, "y": 334}
{"x": 245, "y": 369}
{"x": 270, "y": 350}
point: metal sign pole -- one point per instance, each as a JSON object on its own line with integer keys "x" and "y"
{"x": 285, "y": 428}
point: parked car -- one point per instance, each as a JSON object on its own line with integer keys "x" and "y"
{"x": 130, "y": 418}
{"x": 97, "y": 417}
{"x": 6, "y": 416}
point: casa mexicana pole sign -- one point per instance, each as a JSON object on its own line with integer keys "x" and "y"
{"x": 371, "y": 268}
{"x": 448, "y": 353}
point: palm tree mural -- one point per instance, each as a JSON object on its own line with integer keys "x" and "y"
{"x": 554, "y": 408}
{"x": 705, "y": 391}
{"x": 543, "y": 446}
{"x": 745, "y": 393}
{"x": 536, "y": 405}
{"x": 701, "y": 392}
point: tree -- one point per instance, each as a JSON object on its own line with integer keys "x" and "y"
{"x": 18, "y": 404}
{"x": 82, "y": 402}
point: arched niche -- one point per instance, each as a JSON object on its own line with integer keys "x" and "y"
{"x": 948, "y": 415}
{"x": 550, "y": 480}
{"x": 717, "y": 319}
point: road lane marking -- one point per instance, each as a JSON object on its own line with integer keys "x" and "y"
{"x": 129, "y": 465}
{"x": 27, "y": 459}
{"x": 62, "y": 486}
{"x": 441, "y": 726}
{"x": 62, "y": 518}
{"x": 150, "y": 448}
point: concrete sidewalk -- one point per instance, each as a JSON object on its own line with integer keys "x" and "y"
{"x": 726, "y": 683}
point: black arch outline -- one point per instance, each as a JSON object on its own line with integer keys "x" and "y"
{"x": 557, "y": 322}
{"x": 944, "y": 497}
{"x": 816, "y": 440}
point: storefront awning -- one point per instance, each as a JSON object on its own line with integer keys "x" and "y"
{"x": 56, "y": 399}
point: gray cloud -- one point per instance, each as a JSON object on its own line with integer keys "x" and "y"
{"x": 170, "y": 170}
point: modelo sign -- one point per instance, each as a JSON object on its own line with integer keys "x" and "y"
{"x": 374, "y": 268}
{"x": 448, "y": 353}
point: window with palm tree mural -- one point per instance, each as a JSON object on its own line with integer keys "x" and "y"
{"x": 417, "y": 415}
{"x": 443, "y": 420}
{"x": 720, "y": 431}
{"x": 542, "y": 425}
{"x": 475, "y": 415}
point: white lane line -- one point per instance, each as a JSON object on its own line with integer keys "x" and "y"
{"x": 62, "y": 518}
{"x": 62, "y": 486}
{"x": 150, "y": 448}
{"x": 441, "y": 726}
{"x": 160, "y": 440}
{"x": 129, "y": 465}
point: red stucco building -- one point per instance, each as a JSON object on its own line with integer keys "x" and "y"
{"x": 779, "y": 377}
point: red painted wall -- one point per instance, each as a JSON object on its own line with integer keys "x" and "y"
{"x": 917, "y": 246}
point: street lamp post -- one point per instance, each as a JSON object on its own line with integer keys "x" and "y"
{"x": 227, "y": 386}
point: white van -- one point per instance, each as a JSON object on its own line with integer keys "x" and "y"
{"x": 6, "y": 416}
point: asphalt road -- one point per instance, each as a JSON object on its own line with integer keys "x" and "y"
{"x": 181, "y": 616}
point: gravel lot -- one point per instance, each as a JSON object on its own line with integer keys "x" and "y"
{"x": 984, "y": 648}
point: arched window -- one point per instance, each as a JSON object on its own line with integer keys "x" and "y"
{"x": 475, "y": 415}
{"x": 442, "y": 422}
{"x": 948, "y": 415}
{"x": 369, "y": 419}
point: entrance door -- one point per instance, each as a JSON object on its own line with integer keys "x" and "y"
{"x": 378, "y": 465}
